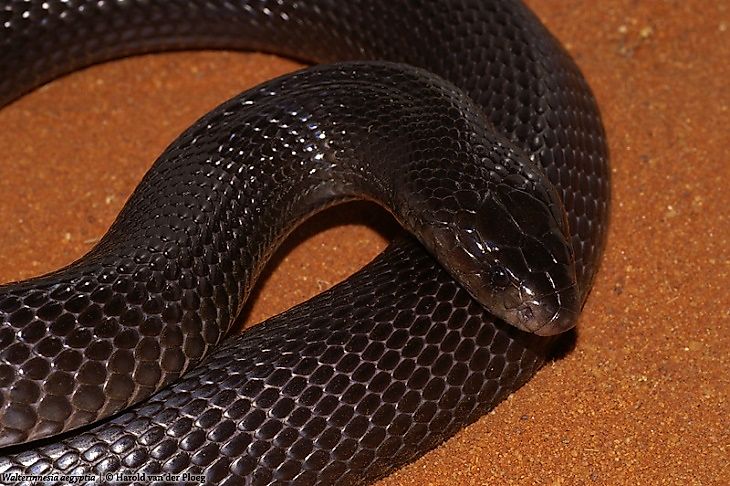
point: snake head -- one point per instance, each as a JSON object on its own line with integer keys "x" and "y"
{"x": 510, "y": 249}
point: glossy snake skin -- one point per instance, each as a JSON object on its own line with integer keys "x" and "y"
{"x": 361, "y": 379}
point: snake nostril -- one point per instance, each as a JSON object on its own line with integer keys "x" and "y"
{"x": 525, "y": 314}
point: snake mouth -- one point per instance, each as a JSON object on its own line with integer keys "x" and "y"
{"x": 560, "y": 321}
{"x": 551, "y": 313}
{"x": 547, "y": 315}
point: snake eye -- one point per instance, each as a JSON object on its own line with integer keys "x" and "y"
{"x": 498, "y": 277}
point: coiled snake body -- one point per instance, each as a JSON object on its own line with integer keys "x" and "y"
{"x": 505, "y": 183}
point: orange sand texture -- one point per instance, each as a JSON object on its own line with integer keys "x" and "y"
{"x": 643, "y": 396}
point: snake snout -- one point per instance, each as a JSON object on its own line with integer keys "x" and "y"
{"x": 552, "y": 314}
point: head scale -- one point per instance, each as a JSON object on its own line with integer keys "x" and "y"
{"x": 512, "y": 253}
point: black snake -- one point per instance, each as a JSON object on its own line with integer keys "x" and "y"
{"x": 500, "y": 169}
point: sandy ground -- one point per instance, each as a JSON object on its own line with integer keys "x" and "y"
{"x": 643, "y": 397}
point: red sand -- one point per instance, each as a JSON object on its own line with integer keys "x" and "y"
{"x": 643, "y": 397}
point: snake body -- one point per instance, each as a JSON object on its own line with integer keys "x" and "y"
{"x": 382, "y": 367}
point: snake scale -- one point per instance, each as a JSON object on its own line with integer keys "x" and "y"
{"x": 483, "y": 140}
